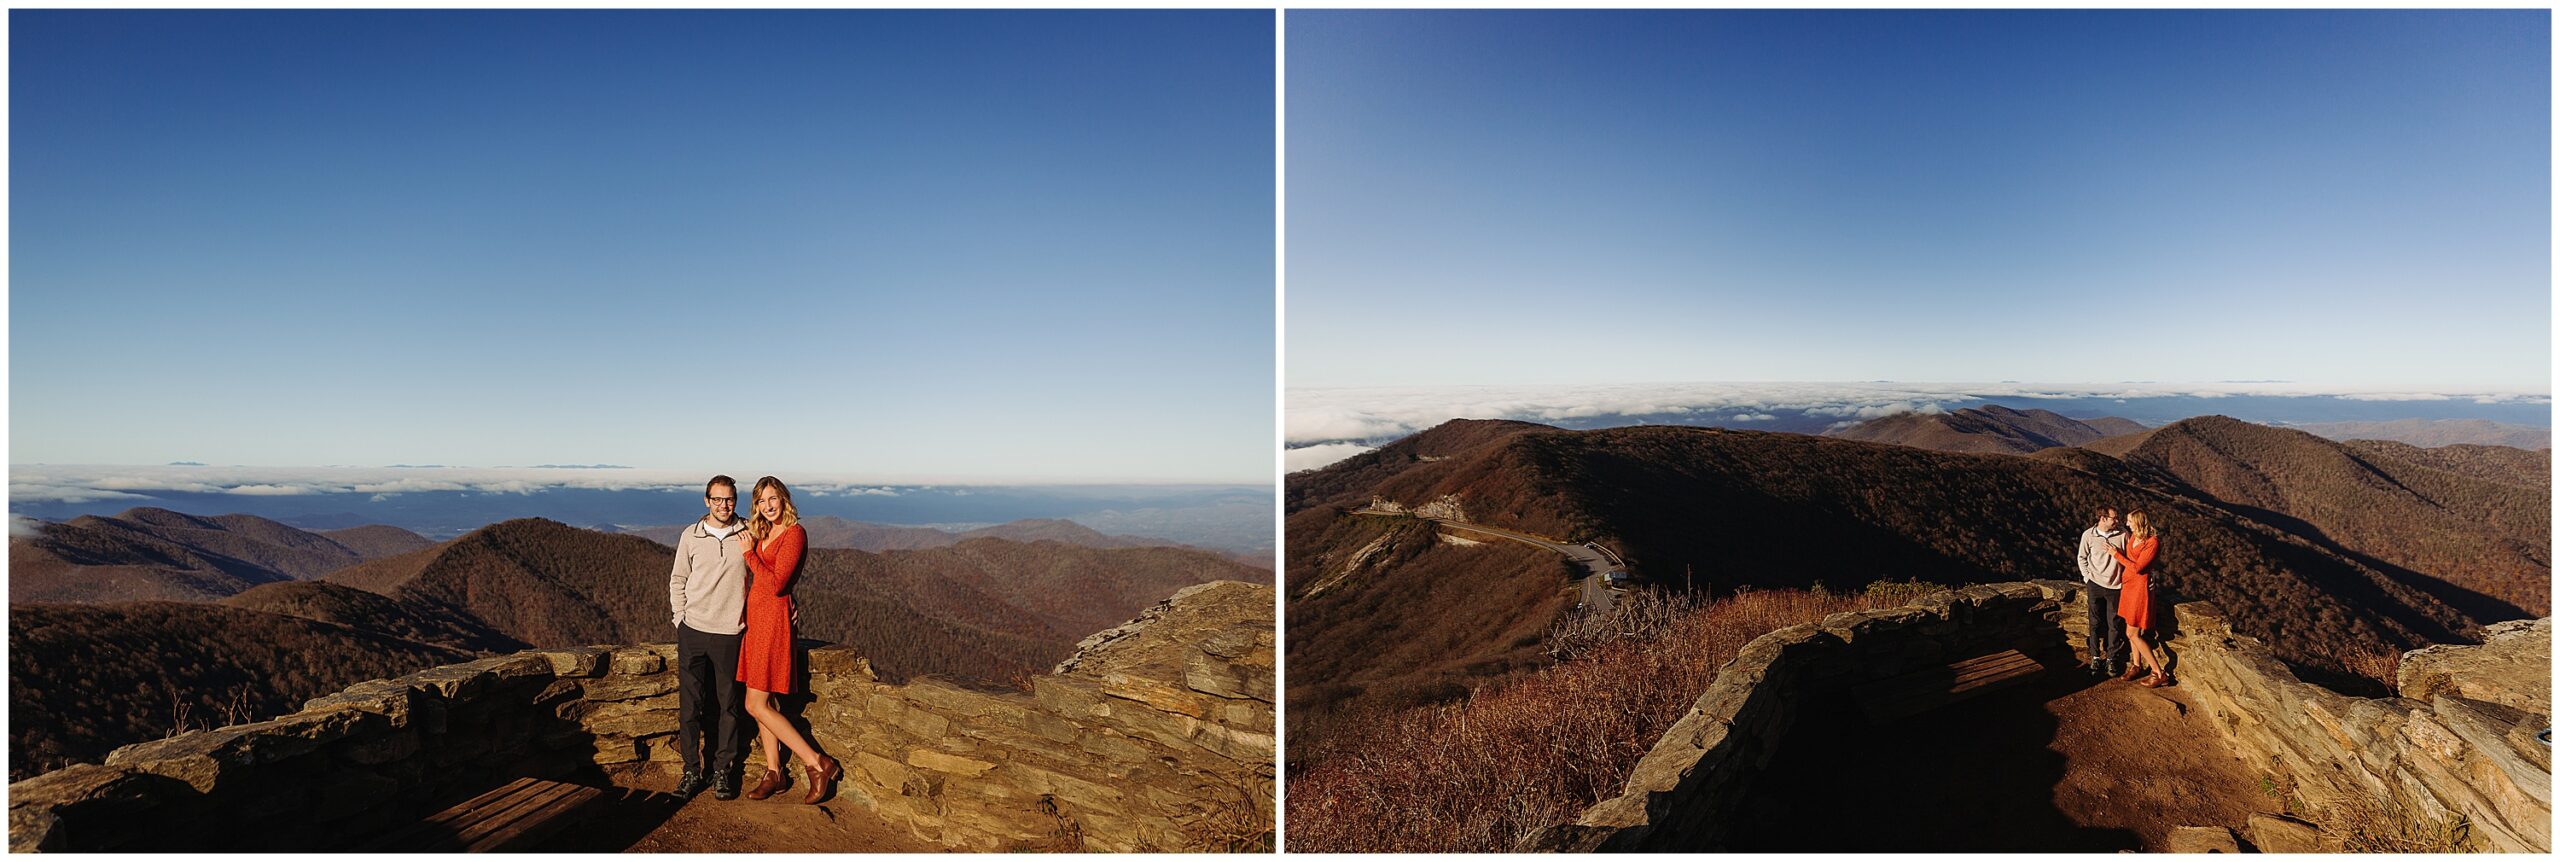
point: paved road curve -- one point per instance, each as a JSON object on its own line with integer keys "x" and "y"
{"x": 1596, "y": 595}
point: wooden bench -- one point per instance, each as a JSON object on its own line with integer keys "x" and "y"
{"x": 511, "y": 818}
{"x": 1923, "y": 690}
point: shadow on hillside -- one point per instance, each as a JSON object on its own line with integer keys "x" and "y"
{"x": 2472, "y": 603}
{"x": 1976, "y": 776}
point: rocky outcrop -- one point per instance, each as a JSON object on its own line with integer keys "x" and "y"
{"x": 2459, "y": 744}
{"x": 1159, "y": 737}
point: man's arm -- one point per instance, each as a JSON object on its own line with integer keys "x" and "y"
{"x": 676, "y": 582}
{"x": 2088, "y": 558}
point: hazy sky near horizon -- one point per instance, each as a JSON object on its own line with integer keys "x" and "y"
{"x": 1028, "y": 245}
{"x": 2354, "y": 198}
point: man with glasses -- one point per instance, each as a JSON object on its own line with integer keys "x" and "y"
{"x": 708, "y": 591}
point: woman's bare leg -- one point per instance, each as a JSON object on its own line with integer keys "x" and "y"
{"x": 777, "y": 729}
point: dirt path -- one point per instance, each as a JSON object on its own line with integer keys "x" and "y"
{"x": 2058, "y": 764}
{"x": 646, "y": 820}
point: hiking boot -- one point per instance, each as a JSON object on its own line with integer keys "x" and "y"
{"x": 690, "y": 785}
{"x": 726, "y": 786}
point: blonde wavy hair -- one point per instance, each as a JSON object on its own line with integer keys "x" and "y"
{"x": 761, "y": 528}
{"x": 2137, "y": 520}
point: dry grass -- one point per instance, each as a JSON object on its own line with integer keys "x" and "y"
{"x": 2370, "y": 826}
{"x": 1482, "y": 774}
{"x": 2379, "y": 663}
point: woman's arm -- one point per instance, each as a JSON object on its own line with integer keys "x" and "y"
{"x": 776, "y": 561}
{"x": 2143, "y": 551}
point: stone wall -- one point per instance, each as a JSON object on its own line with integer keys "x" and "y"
{"x": 2459, "y": 741}
{"x": 1157, "y": 735}
{"x": 2467, "y": 749}
{"x": 1682, "y": 795}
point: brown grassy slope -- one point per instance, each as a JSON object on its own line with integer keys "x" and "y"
{"x": 157, "y": 554}
{"x": 2477, "y": 534}
{"x": 1075, "y": 589}
{"x": 539, "y": 581}
{"x": 2506, "y": 465}
{"x": 375, "y": 613}
{"x": 2437, "y": 432}
{"x": 1407, "y": 618}
{"x": 84, "y": 679}
{"x": 985, "y": 612}
{"x": 1988, "y": 428}
{"x": 375, "y": 541}
{"x": 1480, "y": 774}
{"x": 1725, "y": 507}
{"x": 1352, "y": 479}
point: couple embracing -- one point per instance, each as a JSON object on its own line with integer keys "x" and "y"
{"x": 731, "y": 592}
{"x": 2115, "y": 559}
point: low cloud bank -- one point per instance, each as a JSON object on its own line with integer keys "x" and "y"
{"x": 52, "y": 483}
{"x": 1319, "y": 455}
{"x": 1374, "y": 415}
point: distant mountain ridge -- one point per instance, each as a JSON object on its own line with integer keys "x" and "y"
{"x": 986, "y": 612}
{"x": 1988, "y": 428}
{"x": 151, "y": 553}
{"x": 829, "y": 531}
{"x": 2431, "y": 433}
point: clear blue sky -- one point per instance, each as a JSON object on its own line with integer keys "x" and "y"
{"x": 1019, "y": 244}
{"x": 2355, "y": 198}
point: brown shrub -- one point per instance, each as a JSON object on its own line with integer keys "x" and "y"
{"x": 1481, "y": 775}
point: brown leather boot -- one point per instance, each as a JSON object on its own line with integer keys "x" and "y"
{"x": 774, "y": 780}
{"x": 821, "y": 774}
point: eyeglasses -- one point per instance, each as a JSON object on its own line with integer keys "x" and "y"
{"x": 724, "y": 501}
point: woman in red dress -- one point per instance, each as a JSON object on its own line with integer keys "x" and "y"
{"x": 765, "y": 652}
{"x": 2135, "y": 606}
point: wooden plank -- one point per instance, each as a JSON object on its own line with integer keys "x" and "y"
{"x": 524, "y": 804}
{"x": 532, "y": 825}
{"x": 1930, "y": 688}
{"x": 507, "y": 815}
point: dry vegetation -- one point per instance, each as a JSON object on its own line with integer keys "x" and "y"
{"x": 1483, "y": 773}
{"x": 84, "y": 679}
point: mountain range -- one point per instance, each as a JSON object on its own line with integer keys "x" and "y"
{"x": 147, "y": 554}
{"x": 984, "y": 612}
{"x": 1988, "y": 428}
{"x": 2324, "y": 549}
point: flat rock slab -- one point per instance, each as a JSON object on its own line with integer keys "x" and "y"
{"x": 2202, "y": 839}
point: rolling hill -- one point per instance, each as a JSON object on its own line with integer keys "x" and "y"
{"x": 84, "y": 679}
{"x": 2477, "y": 519}
{"x": 2436, "y": 432}
{"x": 1988, "y": 428}
{"x": 1695, "y": 508}
{"x": 157, "y": 554}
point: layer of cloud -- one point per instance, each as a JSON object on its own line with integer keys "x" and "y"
{"x": 53, "y": 483}
{"x": 1321, "y": 454}
{"x": 1371, "y": 415}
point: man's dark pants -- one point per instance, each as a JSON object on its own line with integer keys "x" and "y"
{"x": 708, "y": 692}
{"x": 2107, "y": 646}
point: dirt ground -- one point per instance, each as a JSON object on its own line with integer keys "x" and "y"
{"x": 642, "y": 818}
{"x": 2060, "y": 763}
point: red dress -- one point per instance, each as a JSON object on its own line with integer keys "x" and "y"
{"x": 2134, "y": 604}
{"x": 764, "y": 652}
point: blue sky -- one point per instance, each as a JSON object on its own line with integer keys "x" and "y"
{"x": 1552, "y": 198}
{"x": 1011, "y": 245}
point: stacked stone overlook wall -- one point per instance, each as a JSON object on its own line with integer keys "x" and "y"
{"x": 2460, "y": 744}
{"x": 1155, "y": 735}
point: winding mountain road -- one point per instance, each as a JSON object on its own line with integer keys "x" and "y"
{"x": 1595, "y": 561}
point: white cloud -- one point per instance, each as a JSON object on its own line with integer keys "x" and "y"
{"x": 23, "y": 527}
{"x": 1752, "y": 417}
{"x": 270, "y": 490}
{"x": 1312, "y": 457}
{"x": 1378, "y": 414}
